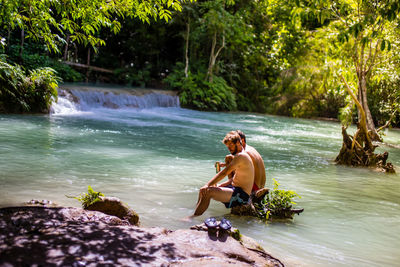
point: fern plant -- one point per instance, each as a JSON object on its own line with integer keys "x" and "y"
{"x": 89, "y": 198}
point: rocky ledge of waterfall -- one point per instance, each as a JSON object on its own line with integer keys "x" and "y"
{"x": 62, "y": 236}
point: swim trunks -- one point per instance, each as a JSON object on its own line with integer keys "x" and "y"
{"x": 239, "y": 197}
{"x": 255, "y": 188}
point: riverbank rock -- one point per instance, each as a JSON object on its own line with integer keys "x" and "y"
{"x": 59, "y": 236}
{"x": 115, "y": 207}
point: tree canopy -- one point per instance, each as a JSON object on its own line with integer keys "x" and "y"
{"x": 50, "y": 21}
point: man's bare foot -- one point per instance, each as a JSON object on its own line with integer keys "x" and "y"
{"x": 187, "y": 219}
{"x": 261, "y": 193}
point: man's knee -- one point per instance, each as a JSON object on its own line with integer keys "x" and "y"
{"x": 205, "y": 192}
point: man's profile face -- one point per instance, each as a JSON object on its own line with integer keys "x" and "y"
{"x": 232, "y": 147}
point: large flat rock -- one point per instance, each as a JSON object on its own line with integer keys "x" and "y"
{"x": 76, "y": 237}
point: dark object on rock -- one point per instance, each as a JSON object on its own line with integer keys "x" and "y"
{"x": 225, "y": 225}
{"x": 38, "y": 236}
{"x": 211, "y": 223}
{"x": 113, "y": 206}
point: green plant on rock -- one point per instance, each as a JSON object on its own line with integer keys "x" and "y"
{"x": 237, "y": 235}
{"x": 277, "y": 203}
{"x": 89, "y": 198}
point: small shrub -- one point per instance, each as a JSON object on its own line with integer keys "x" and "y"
{"x": 197, "y": 93}
{"x": 20, "y": 93}
{"x": 89, "y": 198}
{"x": 277, "y": 203}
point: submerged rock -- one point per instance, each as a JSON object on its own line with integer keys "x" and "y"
{"x": 76, "y": 237}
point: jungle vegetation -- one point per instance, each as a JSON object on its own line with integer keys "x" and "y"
{"x": 295, "y": 58}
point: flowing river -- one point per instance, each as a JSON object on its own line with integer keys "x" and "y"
{"x": 154, "y": 156}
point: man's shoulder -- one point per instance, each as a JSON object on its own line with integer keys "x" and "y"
{"x": 243, "y": 155}
{"x": 251, "y": 150}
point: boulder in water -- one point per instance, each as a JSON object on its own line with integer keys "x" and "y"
{"x": 113, "y": 206}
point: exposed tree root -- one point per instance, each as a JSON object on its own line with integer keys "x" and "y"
{"x": 356, "y": 151}
{"x": 359, "y": 150}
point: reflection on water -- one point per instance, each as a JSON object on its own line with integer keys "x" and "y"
{"x": 156, "y": 159}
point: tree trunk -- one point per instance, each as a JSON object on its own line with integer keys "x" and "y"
{"x": 358, "y": 150}
{"x": 21, "y": 49}
{"x": 88, "y": 63}
{"x": 213, "y": 56}
{"x": 66, "y": 49}
{"x": 187, "y": 48}
{"x": 212, "y": 59}
{"x": 8, "y": 39}
{"x": 362, "y": 97}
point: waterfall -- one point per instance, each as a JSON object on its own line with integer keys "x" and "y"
{"x": 84, "y": 99}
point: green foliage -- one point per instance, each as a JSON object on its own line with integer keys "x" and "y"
{"x": 197, "y": 93}
{"x": 276, "y": 203}
{"x": 384, "y": 101}
{"x": 43, "y": 88}
{"x": 34, "y": 56}
{"x": 237, "y": 235}
{"x": 364, "y": 37}
{"x": 89, "y": 198}
{"x": 65, "y": 72}
{"x": 21, "y": 93}
{"x": 51, "y": 21}
{"x": 134, "y": 76}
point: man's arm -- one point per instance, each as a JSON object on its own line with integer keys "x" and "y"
{"x": 228, "y": 169}
{"x": 224, "y": 184}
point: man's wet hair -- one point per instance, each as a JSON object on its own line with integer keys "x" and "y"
{"x": 233, "y": 137}
{"x": 242, "y": 135}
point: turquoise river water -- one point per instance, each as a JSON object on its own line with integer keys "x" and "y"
{"x": 156, "y": 158}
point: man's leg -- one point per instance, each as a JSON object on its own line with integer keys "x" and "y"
{"x": 222, "y": 194}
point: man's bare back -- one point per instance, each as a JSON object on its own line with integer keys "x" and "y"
{"x": 259, "y": 167}
{"x": 242, "y": 165}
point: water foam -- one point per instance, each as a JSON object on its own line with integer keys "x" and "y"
{"x": 79, "y": 101}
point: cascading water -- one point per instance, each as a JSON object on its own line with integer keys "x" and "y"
{"x": 72, "y": 101}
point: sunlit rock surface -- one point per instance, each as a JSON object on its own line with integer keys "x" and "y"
{"x": 75, "y": 237}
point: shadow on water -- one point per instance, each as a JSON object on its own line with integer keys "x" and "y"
{"x": 48, "y": 239}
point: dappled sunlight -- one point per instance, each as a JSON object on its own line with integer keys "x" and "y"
{"x": 54, "y": 238}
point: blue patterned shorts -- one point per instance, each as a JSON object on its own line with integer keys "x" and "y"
{"x": 239, "y": 197}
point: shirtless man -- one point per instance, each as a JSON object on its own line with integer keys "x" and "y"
{"x": 258, "y": 164}
{"x": 238, "y": 189}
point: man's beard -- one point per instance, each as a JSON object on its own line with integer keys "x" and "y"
{"x": 235, "y": 152}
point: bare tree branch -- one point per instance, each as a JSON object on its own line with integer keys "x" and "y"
{"x": 388, "y": 122}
